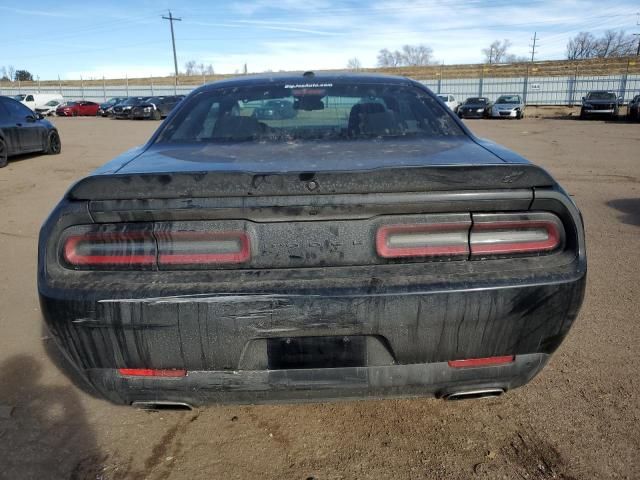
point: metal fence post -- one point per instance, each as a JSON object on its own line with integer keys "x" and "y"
{"x": 104, "y": 89}
{"x": 623, "y": 82}
{"x": 126, "y": 79}
{"x": 59, "y": 85}
{"x": 82, "y": 86}
{"x": 481, "y": 84}
{"x": 152, "y": 94}
{"x": 525, "y": 86}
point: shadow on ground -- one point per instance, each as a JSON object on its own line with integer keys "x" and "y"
{"x": 43, "y": 428}
{"x": 630, "y": 209}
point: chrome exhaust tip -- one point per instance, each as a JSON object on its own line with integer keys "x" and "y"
{"x": 471, "y": 394}
{"x": 161, "y": 405}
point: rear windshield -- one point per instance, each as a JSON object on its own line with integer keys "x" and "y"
{"x": 508, "y": 99}
{"x": 284, "y": 113}
{"x": 601, "y": 96}
{"x": 473, "y": 100}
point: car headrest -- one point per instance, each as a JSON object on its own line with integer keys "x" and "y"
{"x": 236, "y": 127}
{"x": 372, "y": 119}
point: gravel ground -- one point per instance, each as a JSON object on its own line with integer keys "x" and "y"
{"x": 579, "y": 419}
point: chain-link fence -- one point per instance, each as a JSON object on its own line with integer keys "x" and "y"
{"x": 538, "y": 90}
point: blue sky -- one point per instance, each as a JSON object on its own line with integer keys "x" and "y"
{"x": 114, "y": 38}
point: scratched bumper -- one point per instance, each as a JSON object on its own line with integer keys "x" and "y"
{"x": 202, "y": 387}
{"x": 210, "y": 337}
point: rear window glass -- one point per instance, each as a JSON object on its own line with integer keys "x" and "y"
{"x": 283, "y": 113}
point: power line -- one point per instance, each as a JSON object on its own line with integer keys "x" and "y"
{"x": 172, "y": 19}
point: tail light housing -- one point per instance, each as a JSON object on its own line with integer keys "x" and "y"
{"x": 109, "y": 248}
{"x": 188, "y": 248}
{"x": 438, "y": 239}
{"x": 535, "y": 233}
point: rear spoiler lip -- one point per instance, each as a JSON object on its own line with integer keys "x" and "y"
{"x": 110, "y": 186}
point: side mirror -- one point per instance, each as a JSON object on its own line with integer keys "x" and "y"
{"x": 39, "y": 116}
{"x": 32, "y": 117}
{"x": 583, "y": 99}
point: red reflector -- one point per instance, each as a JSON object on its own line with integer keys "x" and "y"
{"x": 424, "y": 240}
{"x": 110, "y": 248}
{"x": 481, "y": 362}
{"x": 190, "y": 248}
{"x": 150, "y": 372}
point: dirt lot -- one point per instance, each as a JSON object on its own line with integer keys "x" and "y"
{"x": 580, "y": 419}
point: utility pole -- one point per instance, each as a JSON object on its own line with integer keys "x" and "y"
{"x": 172, "y": 19}
{"x": 638, "y": 35}
{"x": 533, "y": 45}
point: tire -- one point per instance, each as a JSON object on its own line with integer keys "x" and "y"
{"x": 157, "y": 115}
{"x": 54, "y": 146}
{"x": 74, "y": 114}
{"x": 582, "y": 114}
{"x": 4, "y": 153}
{"x": 519, "y": 115}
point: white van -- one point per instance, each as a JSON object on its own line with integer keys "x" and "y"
{"x": 38, "y": 100}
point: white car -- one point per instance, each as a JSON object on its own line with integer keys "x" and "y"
{"x": 508, "y": 106}
{"x": 450, "y": 101}
{"x": 37, "y": 100}
{"x": 49, "y": 108}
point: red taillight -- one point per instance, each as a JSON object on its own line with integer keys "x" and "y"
{"x": 152, "y": 372}
{"x": 191, "y": 248}
{"x": 509, "y": 234}
{"x": 110, "y": 248}
{"x": 423, "y": 240}
{"x": 481, "y": 362}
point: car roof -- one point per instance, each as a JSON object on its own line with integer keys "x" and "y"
{"x": 306, "y": 79}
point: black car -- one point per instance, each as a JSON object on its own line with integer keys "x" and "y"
{"x": 633, "y": 109}
{"x": 123, "y": 110}
{"x": 475, "y": 107}
{"x": 372, "y": 247}
{"x": 23, "y": 131}
{"x": 106, "y": 108}
{"x": 600, "y": 104}
{"x": 275, "y": 110}
{"x": 155, "y": 107}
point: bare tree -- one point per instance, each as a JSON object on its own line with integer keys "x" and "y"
{"x": 354, "y": 64}
{"x": 11, "y": 72}
{"x": 416, "y": 55}
{"x": 497, "y": 52}
{"x": 3, "y": 74}
{"x": 410, "y": 55}
{"x": 615, "y": 44}
{"x": 209, "y": 70}
{"x": 191, "y": 67}
{"x": 387, "y": 58}
{"x": 612, "y": 44}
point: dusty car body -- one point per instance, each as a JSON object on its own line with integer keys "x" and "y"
{"x": 155, "y": 108}
{"x": 508, "y": 106}
{"x": 374, "y": 248}
{"x": 633, "y": 109}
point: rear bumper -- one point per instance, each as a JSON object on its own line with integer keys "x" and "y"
{"x": 269, "y": 386}
{"x": 220, "y": 341}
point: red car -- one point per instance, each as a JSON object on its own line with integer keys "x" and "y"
{"x": 73, "y": 109}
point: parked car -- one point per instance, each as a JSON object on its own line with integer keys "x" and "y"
{"x": 106, "y": 108}
{"x": 508, "y": 106}
{"x": 155, "y": 107}
{"x": 49, "y": 108}
{"x": 275, "y": 110}
{"x": 450, "y": 101}
{"x": 79, "y": 108}
{"x": 633, "y": 109}
{"x": 24, "y": 131}
{"x": 600, "y": 103}
{"x": 37, "y": 100}
{"x": 123, "y": 110}
{"x": 475, "y": 107}
{"x": 372, "y": 248}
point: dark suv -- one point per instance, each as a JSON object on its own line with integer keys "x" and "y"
{"x": 155, "y": 107}
{"x": 633, "y": 111}
{"x": 600, "y": 103}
